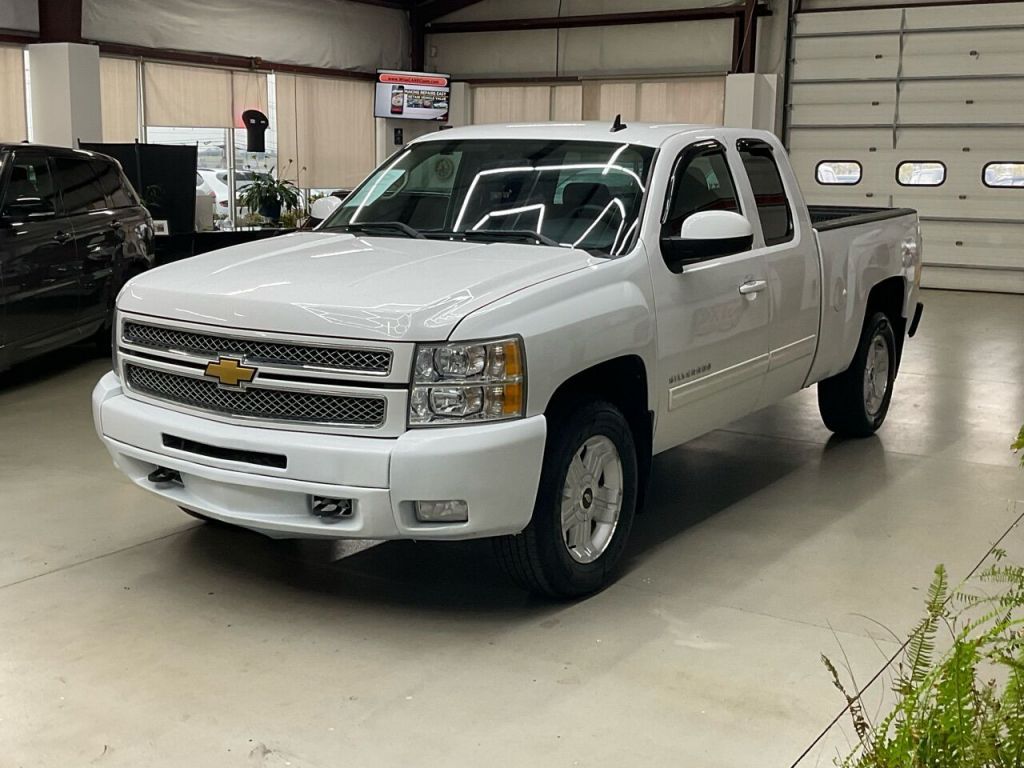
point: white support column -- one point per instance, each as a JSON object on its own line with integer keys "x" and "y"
{"x": 65, "y": 93}
{"x": 751, "y": 101}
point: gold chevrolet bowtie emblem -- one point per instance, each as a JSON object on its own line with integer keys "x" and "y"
{"x": 230, "y": 372}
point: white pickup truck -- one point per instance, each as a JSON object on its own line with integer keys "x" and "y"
{"x": 496, "y": 331}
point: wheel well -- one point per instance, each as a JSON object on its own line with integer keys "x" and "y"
{"x": 622, "y": 382}
{"x": 887, "y": 297}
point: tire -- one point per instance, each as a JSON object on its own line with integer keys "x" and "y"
{"x": 854, "y": 403}
{"x": 595, "y": 442}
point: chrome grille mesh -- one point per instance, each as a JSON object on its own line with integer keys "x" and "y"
{"x": 256, "y": 402}
{"x": 274, "y": 353}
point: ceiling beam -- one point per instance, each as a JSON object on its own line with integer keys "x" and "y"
{"x": 594, "y": 20}
{"x": 60, "y": 21}
{"x": 398, "y": 5}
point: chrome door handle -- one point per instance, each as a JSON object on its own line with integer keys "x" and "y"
{"x": 753, "y": 286}
{"x": 62, "y": 237}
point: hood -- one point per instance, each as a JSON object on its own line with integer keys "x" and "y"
{"x": 332, "y": 284}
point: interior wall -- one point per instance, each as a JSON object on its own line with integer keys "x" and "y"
{"x": 640, "y": 49}
{"x": 334, "y": 34}
{"x": 22, "y": 15}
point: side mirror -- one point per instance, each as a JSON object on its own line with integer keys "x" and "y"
{"x": 324, "y": 207}
{"x": 707, "y": 235}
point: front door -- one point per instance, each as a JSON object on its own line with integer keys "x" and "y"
{"x": 713, "y": 315}
{"x": 37, "y": 256}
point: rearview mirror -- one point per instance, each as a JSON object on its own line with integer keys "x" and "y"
{"x": 707, "y": 235}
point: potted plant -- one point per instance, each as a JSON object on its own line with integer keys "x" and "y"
{"x": 267, "y": 195}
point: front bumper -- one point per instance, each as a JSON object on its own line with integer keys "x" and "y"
{"x": 495, "y": 468}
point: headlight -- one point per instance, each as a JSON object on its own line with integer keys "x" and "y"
{"x": 468, "y": 382}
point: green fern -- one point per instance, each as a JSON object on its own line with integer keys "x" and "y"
{"x": 951, "y": 712}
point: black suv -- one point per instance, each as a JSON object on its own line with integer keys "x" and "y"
{"x": 72, "y": 232}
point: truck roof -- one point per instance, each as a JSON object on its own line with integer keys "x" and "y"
{"x": 644, "y": 134}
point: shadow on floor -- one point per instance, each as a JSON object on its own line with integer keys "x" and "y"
{"x": 42, "y": 369}
{"x": 689, "y": 485}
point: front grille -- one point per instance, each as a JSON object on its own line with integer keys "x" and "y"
{"x": 256, "y": 402}
{"x": 372, "y": 361}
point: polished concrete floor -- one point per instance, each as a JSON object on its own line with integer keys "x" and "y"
{"x": 132, "y": 636}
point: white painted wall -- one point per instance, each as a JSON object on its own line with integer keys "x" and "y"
{"x": 66, "y": 108}
{"x": 21, "y": 15}
{"x": 678, "y": 48}
{"x": 644, "y": 49}
{"x": 315, "y": 33}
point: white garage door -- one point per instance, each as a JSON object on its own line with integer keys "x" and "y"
{"x": 922, "y": 108}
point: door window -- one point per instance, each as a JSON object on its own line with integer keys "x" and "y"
{"x": 701, "y": 183}
{"x": 114, "y": 185}
{"x": 769, "y": 193}
{"x": 79, "y": 185}
{"x": 30, "y": 187}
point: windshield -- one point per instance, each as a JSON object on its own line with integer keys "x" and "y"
{"x": 574, "y": 194}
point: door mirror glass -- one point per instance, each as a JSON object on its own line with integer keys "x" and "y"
{"x": 707, "y": 235}
{"x": 324, "y": 207}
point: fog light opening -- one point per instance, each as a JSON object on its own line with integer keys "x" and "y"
{"x": 327, "y": 508}
{"x": 450, "y": 511}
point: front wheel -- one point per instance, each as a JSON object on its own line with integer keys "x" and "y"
{"x": 585, "y": 505}
{"x": 855, "y": 402}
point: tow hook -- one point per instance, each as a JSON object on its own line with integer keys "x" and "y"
{"x": 164, "y": 476}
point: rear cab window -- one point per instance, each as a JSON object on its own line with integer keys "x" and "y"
{"x": 773, "y": 208}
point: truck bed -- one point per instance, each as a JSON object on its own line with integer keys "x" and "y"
{"x": 826, "y": 217}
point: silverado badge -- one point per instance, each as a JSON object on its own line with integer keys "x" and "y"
{"x": 230, "y": 373}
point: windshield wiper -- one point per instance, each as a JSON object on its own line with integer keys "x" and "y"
{"x": 524, "y": 235}
{"x": 377, "y": 227}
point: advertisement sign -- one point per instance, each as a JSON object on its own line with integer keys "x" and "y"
{"x": 412, "y": 95}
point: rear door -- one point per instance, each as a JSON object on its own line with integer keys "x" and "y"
{"x": 96, "y": 228}
{"x": 712, "y": 338}
{"x": 791, "y": 261}
{"x": 38, "y": 263}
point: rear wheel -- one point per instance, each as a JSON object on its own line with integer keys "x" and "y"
{"x": 585, "y": 505}
{"x": 855, "y": 402}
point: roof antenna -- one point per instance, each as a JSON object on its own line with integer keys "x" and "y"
{"x": 618, "y": 125}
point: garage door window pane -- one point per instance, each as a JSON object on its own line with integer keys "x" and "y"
{"x": 921, "y": 173}
{"x": 838, "y": 172}
{"x": 1004, "y": 175}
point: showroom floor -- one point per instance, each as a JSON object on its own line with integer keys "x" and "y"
{"x": 131, "y": 635}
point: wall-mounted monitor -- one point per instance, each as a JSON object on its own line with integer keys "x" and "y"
{"x": 412, "y": 95}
